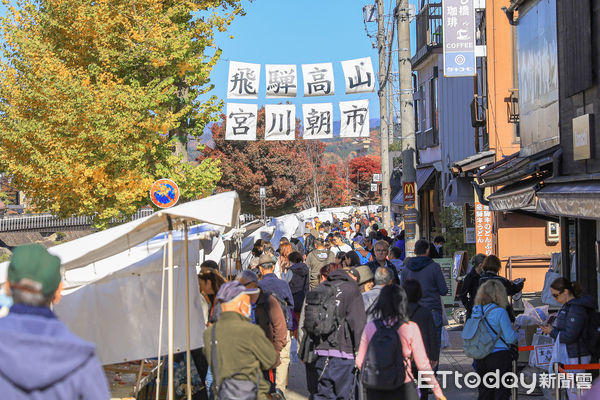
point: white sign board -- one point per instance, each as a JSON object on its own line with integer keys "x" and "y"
{"x": 281, "y": 80}
{"x": 262, "y": 192}
{"x": 376, "y": 177}
{"x": 355, "y": 119}
{"x": 359, "y": 75}
{"x": 458, "y": 18}
{"x": 280, "y": 121}
{"x": 318, "y": 121}
{"x": 318, "y": 79}
{"x": 241, "y": 121}
{"x": 374, "y": 187}
{"x": 243, "y": 80}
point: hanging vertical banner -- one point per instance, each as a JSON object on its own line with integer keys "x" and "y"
{"x": 318, "y": 121}
{"x": 458, "y": 19}
{"x": 355, "y": 119}
{"x": 241, "y": 121}
{"x": 243, "y": 80}
{"x": 483, "y": 229}
{"x": 281, "y": 81}
{"x": 318, "y": 79}
{"x": 280, "y": 121}
{"x": 359, "y": 75}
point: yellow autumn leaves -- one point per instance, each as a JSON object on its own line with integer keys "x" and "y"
{"x": 95, "y": 95}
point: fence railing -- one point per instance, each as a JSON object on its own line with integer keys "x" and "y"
{"x": 37, "y": 222}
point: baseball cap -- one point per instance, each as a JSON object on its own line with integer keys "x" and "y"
{"x": 231, "y": 290}
{"x": 32, "y": 262}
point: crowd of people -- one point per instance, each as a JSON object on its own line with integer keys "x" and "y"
{"x": 367, "y": 320}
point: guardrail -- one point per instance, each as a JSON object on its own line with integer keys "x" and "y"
{"x": 41, "y": 222}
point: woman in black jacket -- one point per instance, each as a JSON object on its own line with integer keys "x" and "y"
{"x": 424, "y": 319}
{"x": 299, "y": 283}
{"x": 571, "y": 320}
{"x": 470, "y": 284}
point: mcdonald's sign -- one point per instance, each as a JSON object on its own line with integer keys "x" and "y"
{"x": 409, "y": 189}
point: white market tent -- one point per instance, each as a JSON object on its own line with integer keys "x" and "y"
{"x": 120, "y": 290}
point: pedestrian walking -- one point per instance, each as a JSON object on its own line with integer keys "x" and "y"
{"x": 382, "y": 277}
{"x": 491, "y": 267}
{"x": 300, "y": 280}
{"x": 359, "y": 248}
{"x": 381, "y": 249}
{"x": 424, "y": 319}
{"x": 437, "y": 247}
{"x": 429, "y": 274}
{"x": 283, "y": 293}
{"x": 471, "y": 283}
{"x": 490, "y": 305}
{"x": 570, "y": 326}
{"x": 318, "y": 258}
{"x": 41, "y": 358}
{"x": 386, "y": 346}
{"x": 335, "y": 340}
{"x": 237, "y": 350}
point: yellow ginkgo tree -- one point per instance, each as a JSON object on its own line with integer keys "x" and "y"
{"x": 98, "y": 99}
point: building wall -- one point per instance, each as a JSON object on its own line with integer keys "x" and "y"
{"x": 516, "y": 234}
{"x": 588, "y": 62}
{"x": 520, "y": 235}
{"x": 500, "y": 79}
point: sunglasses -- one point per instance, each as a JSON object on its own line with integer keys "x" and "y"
{"x": 555, "y": 295}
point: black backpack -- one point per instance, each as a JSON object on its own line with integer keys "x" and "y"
{"x": 383, "y": 368}
{"x": 321, "y": 316}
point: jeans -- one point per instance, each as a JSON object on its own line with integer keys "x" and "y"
{"x": 437, "y": 323}
{"x": 336, "y": 378}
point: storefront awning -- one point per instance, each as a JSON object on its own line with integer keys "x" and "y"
{"x": 399, "y": 199}
{"x": 578, "y": 199}
{"x": 423, "y": 176}
{"x": 520, "y": 196}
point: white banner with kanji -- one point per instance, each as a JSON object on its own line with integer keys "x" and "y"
{"x": 241, "y": 121}
{"x": 318, "y": 79}
{"x": 318, "y": 121}
{"x": 281, "y": 80}
{"x": 243, "y": 80}
{"x": 354, "y": 118}
{"x": 280, "y": 121}
{"x": 359, "y": 75}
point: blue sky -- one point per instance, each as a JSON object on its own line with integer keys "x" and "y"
{"x": 298, "y": 32}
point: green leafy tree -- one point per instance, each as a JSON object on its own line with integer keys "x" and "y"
{"x": 98, "y": 99}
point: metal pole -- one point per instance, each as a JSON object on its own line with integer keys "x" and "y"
{"x": 170, "y": 313}
{"x": 515, "y": 392}
{"x": 188, "y": 354}
{"x": 409, "y": 145}
{"x": 557, "y": 386}
{"x": 383, "y": 124}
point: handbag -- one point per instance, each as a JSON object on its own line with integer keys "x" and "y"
{"x": 231, "y": 388}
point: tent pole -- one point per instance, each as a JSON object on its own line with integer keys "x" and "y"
{"x": 187, "y": 315}
{"x": 170, "y": 395}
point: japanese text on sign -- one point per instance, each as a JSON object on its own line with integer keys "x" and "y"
{"x": 458, "y": 18}
{"x": 483, "y": 229}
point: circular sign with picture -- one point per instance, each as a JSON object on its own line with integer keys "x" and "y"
{"x": 164, "y": 193}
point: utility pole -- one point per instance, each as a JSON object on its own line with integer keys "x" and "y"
{"x": 383, "y": 125}
{"x": 409, "y": 172}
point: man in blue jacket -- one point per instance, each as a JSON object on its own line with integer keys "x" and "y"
{"x": 429, "y": 274}
{"x": 41, "y": 358}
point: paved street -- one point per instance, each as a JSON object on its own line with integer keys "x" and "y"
{"x": 451, "y": 359}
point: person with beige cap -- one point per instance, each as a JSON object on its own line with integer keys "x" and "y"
{"x": 41, "y": 358}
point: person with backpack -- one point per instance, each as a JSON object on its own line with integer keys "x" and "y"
{"x": 237, "y": 350}
{"x": 574, "y": 323}
{"x": 491, "y": 266}
{"x": 334, "y": 317}
{"x": 386, "y": 346}
{"x": 266, "y": 312}
{"x": 318, "y": 258}
{"x": 489, "y": 337}
{"x": 281, "y": 290}
{"x": 429, "y": 274}
{"x": 424, "y": 319}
